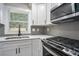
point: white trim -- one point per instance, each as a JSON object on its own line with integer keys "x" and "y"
{"x": 17, "y": 9}
{"x": 29, "y": 18}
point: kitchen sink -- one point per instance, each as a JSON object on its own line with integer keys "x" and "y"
{"x": 18, "y": 37}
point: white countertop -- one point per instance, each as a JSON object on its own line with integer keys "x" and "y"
{"x": 40, "y": 36}
{"x": 30, "y": 37}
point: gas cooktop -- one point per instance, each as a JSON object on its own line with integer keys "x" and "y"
{"x": 65, "y": 45}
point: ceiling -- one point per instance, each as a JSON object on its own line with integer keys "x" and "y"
{"x": 22, "y": 5}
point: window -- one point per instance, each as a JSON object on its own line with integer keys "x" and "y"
{"x": 17, "y": 19}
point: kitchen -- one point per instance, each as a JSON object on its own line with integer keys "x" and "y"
{"x": 39, "y": 29}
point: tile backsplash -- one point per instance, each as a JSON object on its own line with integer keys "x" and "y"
{"x": 38, "y": 30}
{"x": 70, "y": 30}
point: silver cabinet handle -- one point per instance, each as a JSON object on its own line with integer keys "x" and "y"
{"x": 16, "y": 50}
{"x": 33, "y": 21}
{"x": 19, "y": 50}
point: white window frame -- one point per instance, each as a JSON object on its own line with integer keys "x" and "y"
{"x": 29, "y": 21}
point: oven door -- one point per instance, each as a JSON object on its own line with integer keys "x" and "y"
{"x": 46, "y": 52}
{"x": 51, "y": 51}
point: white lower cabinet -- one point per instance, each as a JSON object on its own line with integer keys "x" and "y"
{"x": 37, "y": 47}
{"x": 16, "y": 48}
{"x": 22, "y": 48}
{"x": 17, "y": 51}
{"x": 9, "y": 51}
{"x": 25, "y": 50}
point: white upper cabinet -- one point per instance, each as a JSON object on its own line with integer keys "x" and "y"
{"x": 34, "y": 14}
{"x": 41, "y": 14}
{"x": 38, "y": 14}
{"x": 3, "y": 14}
{"x": 1, "y": 6}
{"x": 48, "y": 13}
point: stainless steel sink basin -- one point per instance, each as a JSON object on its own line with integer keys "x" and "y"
{"x": 17, "y": 37}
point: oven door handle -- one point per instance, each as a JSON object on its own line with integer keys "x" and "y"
{"x": 53, "y": 53}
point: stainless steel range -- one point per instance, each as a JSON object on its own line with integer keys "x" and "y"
{"x": 54, "y": 48}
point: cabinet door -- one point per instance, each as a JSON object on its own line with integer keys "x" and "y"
{"x": 34, "y": 14}
{"x": 9, "y": 51}
{"x": 37, "y": 47}
{"x": 0, "y": 52}
{"x": 24, "y": 50}
{"x": 38, "y": 14}
{"x": 1, "y": 5}
{"x": 41, "y": 14}
{"x": 48, "y": 13}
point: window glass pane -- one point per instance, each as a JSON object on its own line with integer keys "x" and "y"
{"x": 16, "y": 24}
{"x": 17, "y": 19}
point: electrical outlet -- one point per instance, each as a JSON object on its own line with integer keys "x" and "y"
{"x": 33, "y": 29}
{"x": 37, "y": 29}
{"x": 48, "y": 29}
